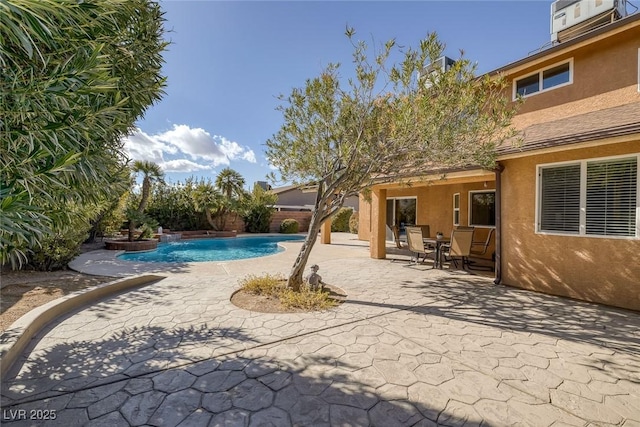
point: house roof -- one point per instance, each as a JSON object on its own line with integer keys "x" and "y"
{"x": 284, "y": 189}
{"x": 611, "y": 122}
{"x": 569, "y": 43}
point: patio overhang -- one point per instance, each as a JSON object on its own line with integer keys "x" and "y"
{"x": 431, "y": 195}
{"x": 439, "y": 178}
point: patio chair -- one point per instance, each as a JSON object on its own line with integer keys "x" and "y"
{"x": 426, "y": 232}
{"x": 416, "y": 244}
{"x": 459, "y": 247}
{"x": 396, "y": 236}
{"x": 484, "y": 245}
{"x": 481, "y": 249}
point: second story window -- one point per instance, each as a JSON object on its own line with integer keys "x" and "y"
{"x": 548, "y": 78}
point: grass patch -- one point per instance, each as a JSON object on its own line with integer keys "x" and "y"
{"x": 275, "y": 286}
{"x": 307, "y": 299}
{"x": 267, "y": 285}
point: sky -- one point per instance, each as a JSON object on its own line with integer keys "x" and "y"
{"x": 228, "y": 61}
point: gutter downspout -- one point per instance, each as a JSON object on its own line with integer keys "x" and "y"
{"x": 498, "y": 263}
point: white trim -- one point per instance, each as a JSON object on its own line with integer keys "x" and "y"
{"x": 583, "y": 197}
{"x": 403, "y": 198}
{"x": 388, "y": 235}
{"x": 456, "y": 209}
{"x": 639, "y": 69}
{"x": 514, "y": 93}
{"x": 469, "y": 218}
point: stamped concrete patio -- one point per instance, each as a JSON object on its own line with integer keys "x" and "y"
{"x": 411, "y": 346}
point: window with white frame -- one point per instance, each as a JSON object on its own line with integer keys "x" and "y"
{"x": 456, "y": 209}
{"x": 596, "y": 197}
{"x": 482, "y": 208}
{"x": 552, "y": 77}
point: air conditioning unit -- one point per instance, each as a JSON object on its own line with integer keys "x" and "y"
{"x": 440, "y": 65}
{"x": 570, "y": 18}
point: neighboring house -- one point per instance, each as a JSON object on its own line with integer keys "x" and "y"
{"x": 565, "y": 203}
{"x": 295, "y": 198}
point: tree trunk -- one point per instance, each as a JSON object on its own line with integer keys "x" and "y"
{"x": 210, "y": 220}
{"x": 296, "y": 277}
{"x": 132, "y": 228}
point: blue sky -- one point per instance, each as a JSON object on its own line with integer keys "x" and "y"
{"x": 228, "y": 62}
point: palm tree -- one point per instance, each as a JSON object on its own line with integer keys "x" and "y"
{"x": 151, "y": 173}
{"x": 230, "y": 183}
{"x": 208, "y": 200}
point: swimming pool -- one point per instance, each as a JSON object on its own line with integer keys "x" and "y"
{"x": 219, "y": 249}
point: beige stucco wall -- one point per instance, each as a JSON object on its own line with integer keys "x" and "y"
{"x": 604, "y": 270}
{"x": 605, "y": 75}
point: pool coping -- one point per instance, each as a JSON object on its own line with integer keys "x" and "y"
{"x": 15, "y": 339}
{"x": 299, "y": 238}
{"x": 103, "y": 262}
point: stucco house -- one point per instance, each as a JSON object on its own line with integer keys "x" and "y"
{"x": 297, "y": 198}
{"x": 565, "y": 203}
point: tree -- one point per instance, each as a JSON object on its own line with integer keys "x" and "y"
{"x": 387, "y": 123}
{"x": 151, "y": 173}
{"x": 231, "y": 184}
{"x": 74, "y": 78}
{"x": 257, "y": 210}
{"x": 173, "y": 207}
{"x": 207, "y": 199}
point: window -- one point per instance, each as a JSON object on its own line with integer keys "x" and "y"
{"x": 482, "y": 208}
{"x": 552, "y": 77}
{"x": 456, "y": 209}
{"x": 560, "y": 199}
{"x": 596, "y": 198}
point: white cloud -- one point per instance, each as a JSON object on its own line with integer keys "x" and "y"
{"x": 249, "y": 156}
{"x": 196, "y": 142}
{"x": 141, "y": 146}
{"x": 169, "y": 149}
{"x": 183, "y": 165}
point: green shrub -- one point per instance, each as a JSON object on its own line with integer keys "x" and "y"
{"x": 257, "y": 218}
{"x": 353, "y": 222}
{"x": 58, "y": 249}
{"x": 289, "y": 226}
{"x": 258, "y": 210}
{"x": 148, "y": 229}
{"x": 340, "y": 221}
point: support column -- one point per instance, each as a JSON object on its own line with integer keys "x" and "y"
{"x": 377, "y": 241}
{"x": 325, "y": 232}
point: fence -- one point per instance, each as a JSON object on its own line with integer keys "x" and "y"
{"x": 303, "y": 218}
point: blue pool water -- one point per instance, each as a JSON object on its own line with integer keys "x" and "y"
{"x": 219, "y": 249}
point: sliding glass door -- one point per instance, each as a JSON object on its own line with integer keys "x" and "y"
{"x": 401, "y": 211}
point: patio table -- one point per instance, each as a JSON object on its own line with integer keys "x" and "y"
{"x": 438, "y": 244}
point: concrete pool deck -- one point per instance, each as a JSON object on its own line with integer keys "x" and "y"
{"x": 411, "y": 346}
